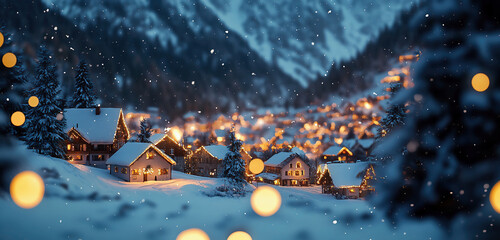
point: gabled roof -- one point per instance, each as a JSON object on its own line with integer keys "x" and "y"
{"x": 282, "y": 158}
{"x": 219, "y": 151}
{"x": 366, "y": 143}
{"x": 156, "y": 138}
{"x": 131, "y": 151}
{"x": 94, "y": 128}
{"x": 268, "y": 176}
{"x": 349, "y": 143}
{"x": 347, "y": 174}
{"x": 333, "y": 150}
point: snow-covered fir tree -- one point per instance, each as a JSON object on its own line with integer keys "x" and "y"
{"x": 145, "y": 131}
{"x": 451, "y": 132}
{"x": 44, "y": 132}
{"x": 395, "y": 117}
{"x": 83, "y": 96}
{"x": 325, "y": 180}
{"x": 233, "y": 165}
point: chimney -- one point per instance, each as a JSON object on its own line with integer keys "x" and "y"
{"x": 98, "y": 109}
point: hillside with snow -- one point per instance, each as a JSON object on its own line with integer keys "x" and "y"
{"x": 82, "y": 202}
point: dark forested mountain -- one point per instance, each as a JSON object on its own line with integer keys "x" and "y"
{"x": 208, "y": 56}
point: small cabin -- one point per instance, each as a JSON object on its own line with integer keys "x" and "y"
{"x": 141, "y": 162}
{"x": 337, "y": 153}
{"x": 172, "y": 148}
{"x": 206, "y": 160}
{"x": 350, "y": 180}
{"x": 286, "y": 169}
{"x": 94, "y": 134}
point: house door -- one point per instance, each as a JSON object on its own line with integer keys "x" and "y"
{"x": 145, "y": 177}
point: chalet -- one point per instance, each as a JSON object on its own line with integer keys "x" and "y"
{"x": 94, "y": 134}
{"x": 172, "y": 148}
{"x": 206, "y": 160}
{"x": 337, "y": 153}
{"x": 350, "y": 180}
{"x": 140, "y": 162}
{"x": 286, "y": 169}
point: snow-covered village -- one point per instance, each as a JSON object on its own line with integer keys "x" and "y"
{"x": 249, "y": 120}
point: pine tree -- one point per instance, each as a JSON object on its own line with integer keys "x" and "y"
{"x": 395, "y": 117}
{"x": 145, "y": 131}
{"x": 44, "y": 132}
{"x": 451, "y": 132}
{"x": 326, "y": 182}
{"x": 233, "y": 165}
{"x": 83, "y": 96}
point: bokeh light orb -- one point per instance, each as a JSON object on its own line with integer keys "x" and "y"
{"x": 9, "y": 60}
{"x": 17, "y": 118}
{"x": 239, "y": 235}
{"x": 495, "y": 197}
{"x": 256, "y": 166}
{"x": 1, "y": 39}
{"x": 27, "y": 189}
{"x": 265, "y": 201}
{"x": 33, "y": 101}
{"x": 480, "y": 82}
{"x": 193, "y": 234}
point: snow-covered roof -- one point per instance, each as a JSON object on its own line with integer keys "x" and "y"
{"x": 218, "y": 151}
{"x": 333, "y": 150}
{"x": 95, "y": 128}
{"x": 298, "y": 151}
{"x": 366, "y": 143}
{"x": 268, "y": 176}
{"x": 156, "y": 138}
{"x": 346, "y": 174}
{"x": 131, "y": 151}
{"x": 349, "y": 143}
{"x": 278, "y": 158}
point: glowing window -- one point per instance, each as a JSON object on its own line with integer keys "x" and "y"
{"x": 299, "y": 165}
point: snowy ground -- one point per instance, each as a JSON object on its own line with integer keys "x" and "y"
{"x": 87, "y": 203}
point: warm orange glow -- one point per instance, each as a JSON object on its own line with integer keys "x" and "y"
{"x": 9, "y": 60}
{"x": 27, "y": 189}
{"x": 338, "y": 140}
{"x": 351, "y": 190}
{"x": 1, "y": 39}
{"x": 220, "y": 139}
{"x": 176, "y": 134}
{"x": 480, "y": 82}
{"x": 17, "y": 118}
{"x": 368, "y": 105}
{"x": 193, "y": 234}
{"x": 68, "y": 147}
{"x": 239, "y": 235}
{"x": 33, "y": 101}
{"x": 265, "y": 201}
{"x": 256, "y": 166}
{"x": 495, "y": 197}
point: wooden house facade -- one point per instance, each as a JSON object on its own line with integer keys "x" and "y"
{"x": 94, "y": 134}
{"x": 140, "y": 162}
{"x": 206, "y": 160}
{"x": 286, "y": 169}
{"x": 172, "y": 148}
